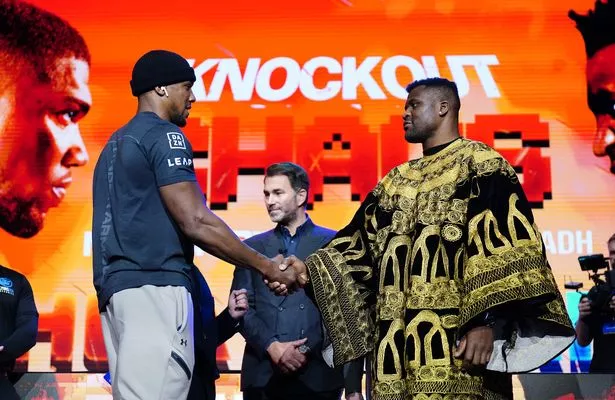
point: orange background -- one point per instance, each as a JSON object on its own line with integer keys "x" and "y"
{"x": 540, "y": 73}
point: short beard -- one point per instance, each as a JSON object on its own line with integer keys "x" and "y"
{"x": 179, "y": 120}
{"x": 284, "y": 219}
{"x": 413, "y": 137}
{"x": 419, "y": 134}
{"x": 20, "y": 218}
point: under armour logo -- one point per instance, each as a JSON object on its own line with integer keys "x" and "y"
{"x": 183, "y": 342}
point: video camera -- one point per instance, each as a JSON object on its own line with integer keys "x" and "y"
{"x": 604, "y": 283}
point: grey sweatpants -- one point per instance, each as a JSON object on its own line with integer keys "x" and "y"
{"x": 148, "y": 333}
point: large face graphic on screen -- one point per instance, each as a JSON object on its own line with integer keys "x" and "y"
{"x": 601, "y": 101}
{"x": 44, "y": 93}
{"x": 598, "y": 31}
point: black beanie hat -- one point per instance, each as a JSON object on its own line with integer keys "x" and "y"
{"x": 159, "y": 68}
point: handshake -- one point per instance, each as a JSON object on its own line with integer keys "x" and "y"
{"x": 286, "y": 275}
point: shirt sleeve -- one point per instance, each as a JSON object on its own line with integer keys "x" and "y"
{"x": 506, "y": 267}
{"x": 170, "y": 155}
{"x": 26, "y": 326}
{"x": 344, "y": 284}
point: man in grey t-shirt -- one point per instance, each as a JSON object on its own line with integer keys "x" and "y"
{"x": 148, "y": 214}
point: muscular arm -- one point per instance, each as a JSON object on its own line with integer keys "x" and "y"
{"x": 183, "y": 200}
{"x": 187, "y": 207}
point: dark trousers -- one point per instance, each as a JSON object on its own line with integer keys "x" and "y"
{"x": 201, "y": 389}
{"x": 203, "y": 384}
{"x": 7, "y": 391}
{"x": 289, "y": 389}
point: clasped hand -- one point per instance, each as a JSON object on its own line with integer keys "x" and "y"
{"x": 290, "y": 275}
{"x": 286, "y": 355}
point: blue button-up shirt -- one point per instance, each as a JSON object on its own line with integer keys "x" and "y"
{"x": 290, "y": 242}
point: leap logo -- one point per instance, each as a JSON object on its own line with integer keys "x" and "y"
{"x": 176, "y": 140}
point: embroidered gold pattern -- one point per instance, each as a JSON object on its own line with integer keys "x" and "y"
{"x": 421, "y": 258}
{"x": 451, "y": 233}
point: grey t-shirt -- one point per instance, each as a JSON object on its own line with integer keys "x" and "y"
{"x": 135, "y": 241}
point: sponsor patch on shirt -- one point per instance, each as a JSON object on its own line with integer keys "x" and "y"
{"x": 6, "y": 286}
{"x": 176, "y": 140}
{"x": 179, "y": 161}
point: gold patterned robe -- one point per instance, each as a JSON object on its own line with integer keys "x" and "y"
{"x": 437, "y": 243}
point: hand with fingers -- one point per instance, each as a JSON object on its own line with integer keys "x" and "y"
{"x": 292, "y": 360}
{"x": 585, "y": 308}
{"x": 282, "y": 280}
{"x": 299, "y": 270}
{"x": 238, "y": 303}
{"x": 287, "y": 356}
{"x": 475, "y": 348}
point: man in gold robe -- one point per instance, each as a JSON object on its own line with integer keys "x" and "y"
{"x": 442, "y": 271}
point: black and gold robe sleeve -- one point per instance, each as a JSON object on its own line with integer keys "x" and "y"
{"x": 342, "y": 277}
{"x": 506, "y": 271}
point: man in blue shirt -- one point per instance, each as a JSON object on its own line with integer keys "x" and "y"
{"x": 149, "y": 212}
{"x": 284, "y": 336}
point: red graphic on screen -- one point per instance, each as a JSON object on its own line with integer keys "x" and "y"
{"x": 338, "y": 151}
{"x": 530, "y": 135}
{"x": 341, "y": 150}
